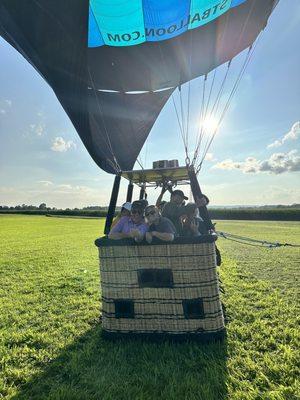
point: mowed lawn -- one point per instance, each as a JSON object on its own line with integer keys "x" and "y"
{"x": 50, "y": 342}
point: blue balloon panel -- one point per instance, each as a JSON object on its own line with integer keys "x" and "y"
{"x": 127, "y": 23}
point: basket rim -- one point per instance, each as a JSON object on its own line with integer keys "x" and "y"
{"x": 104, "y": 241}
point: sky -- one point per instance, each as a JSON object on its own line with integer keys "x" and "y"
{"x": 254, "y": 158}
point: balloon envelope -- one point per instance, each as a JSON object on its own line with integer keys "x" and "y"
{"x": 92, "y": 53}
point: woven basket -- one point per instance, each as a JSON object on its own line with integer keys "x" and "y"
{"x": 160, "y": 290}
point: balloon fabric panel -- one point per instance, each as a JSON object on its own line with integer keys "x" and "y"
{"x": 133, "y": 22}
{"x": 53, "y": 37}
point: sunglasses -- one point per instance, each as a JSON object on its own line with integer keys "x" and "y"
{"x": 150, "y": 213}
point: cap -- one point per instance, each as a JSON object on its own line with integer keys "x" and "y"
{"x": 179, "y": 193}
{"x": 127, "y": 206}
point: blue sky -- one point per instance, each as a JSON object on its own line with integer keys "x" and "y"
{"x": 254, "y": 159}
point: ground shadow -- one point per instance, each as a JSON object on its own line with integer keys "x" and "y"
{"x": 94, "y": 368}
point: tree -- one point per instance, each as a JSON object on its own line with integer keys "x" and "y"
{"x": 42, "y": 206}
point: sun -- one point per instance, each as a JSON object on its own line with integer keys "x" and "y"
{"x": 209, "y": 124}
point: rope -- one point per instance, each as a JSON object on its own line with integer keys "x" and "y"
{"x": 199, "y": 130}
{"x": 180, "y": 127}
{"x": 216, "y": 105}
{"x": 188, "y": 116}
{"x": 233, "y": 91}
{"x": 116, "y": 166}
{"x": 253, "y": 242}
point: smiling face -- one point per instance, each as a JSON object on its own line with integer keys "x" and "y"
{"x": 152, "y": 215}
{"x": 177, "y": 199}
{"x": 137, "y": 215}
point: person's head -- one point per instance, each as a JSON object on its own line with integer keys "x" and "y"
{"x": 143, "y": 203}
{"x": 137, "y": 212}
{"x": 161, "y": 206}
{"x": 152, "y": 214}
{"x": 191, "y": 210}
{"x": 126, "y": 209}
{"x": 202, "y": 201}
{"x": 177, "y": 197}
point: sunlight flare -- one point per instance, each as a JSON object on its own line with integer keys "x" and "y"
{"x": 209, "y": 124}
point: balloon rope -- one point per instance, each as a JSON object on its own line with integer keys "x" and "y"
{"x": 233, "y": 91}
{"x": 182, "y": 120}
{"x": 199, "y": 125}
{"x": 116, "y": 166}
{"x": 180, "y": 127}
{"x": 253, "y": 242}
{"x": 216, "y": 104}
{"x": 203, "y": 119}
{"x": 188, "y": 116}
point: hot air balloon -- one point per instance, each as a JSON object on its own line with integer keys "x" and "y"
{"x": 113, "y": 66}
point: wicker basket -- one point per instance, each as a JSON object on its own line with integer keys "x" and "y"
{"x": 160, "y": 290}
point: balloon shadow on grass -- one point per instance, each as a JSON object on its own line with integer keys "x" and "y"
{"x": 95, "y": 368}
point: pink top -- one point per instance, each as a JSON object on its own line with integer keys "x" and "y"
{"x": 126, "y": 224}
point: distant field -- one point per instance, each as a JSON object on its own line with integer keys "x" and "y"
{"x": 50, "y": 343}
{"x": 265, "y": 214}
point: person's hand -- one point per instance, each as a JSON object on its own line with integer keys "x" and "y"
{"x": 134, "y": 233}
{"x": 201, "y": 201}
{"x": 194, "y": 226}
{"x": 148, "y": 237}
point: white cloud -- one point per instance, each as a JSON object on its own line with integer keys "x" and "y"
{"x": 38, "y": 129}
{"x": 293, "y": 134}
{"x": 278, "y": 163}
{"x": 61, "y": 145}
{"x": 5, "y": 105}
{"x": 210, "y": 157}
{"x": 65, "y": 186}
{"x": 46, "y": 183}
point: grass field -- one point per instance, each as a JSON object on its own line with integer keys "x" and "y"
{"x": 50, "y": 344}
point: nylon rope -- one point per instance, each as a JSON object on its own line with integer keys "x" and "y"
{"x": 227, "y": 104}
{"x": 209, "y": 142}
{"x": 203, "y": 118}
{"x": 116, "y": 166}
{"x": 253, "y": 242}
{"x": 188, "y": 117}
{"x": 198, "y": 136}
{"x": 178, "y": 120}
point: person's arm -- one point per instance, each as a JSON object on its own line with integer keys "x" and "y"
{"x": 165, "y": 236}
{"x": 118, "y": 235}
{"x": 160, "y": 197}
{"x": 115, "y": 221}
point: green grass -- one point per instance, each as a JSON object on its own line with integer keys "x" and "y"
{"x": 50, "y": 343}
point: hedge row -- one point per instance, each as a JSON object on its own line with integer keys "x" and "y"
{"x": 272, "y": 214}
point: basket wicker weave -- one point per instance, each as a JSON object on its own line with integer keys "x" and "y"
{"x": 158, "y": 290}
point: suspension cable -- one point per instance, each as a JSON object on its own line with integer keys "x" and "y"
{"x": 116, "y": 166}
{"x": 188, "y": 116}
{"x": 198, "y": 136}
{"x": 203, "y": 119}
{"x": 253, "y": 242}
{"x": 180, "y": 126}
{"x": 233, "y": 91}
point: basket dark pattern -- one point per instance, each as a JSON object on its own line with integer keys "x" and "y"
{"x": 165, "y": 289}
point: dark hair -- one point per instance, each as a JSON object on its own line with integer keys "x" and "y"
{"x": 206, "y": 198}
{"x": 179, "y": 193}
{"x": 190, "y": 208}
